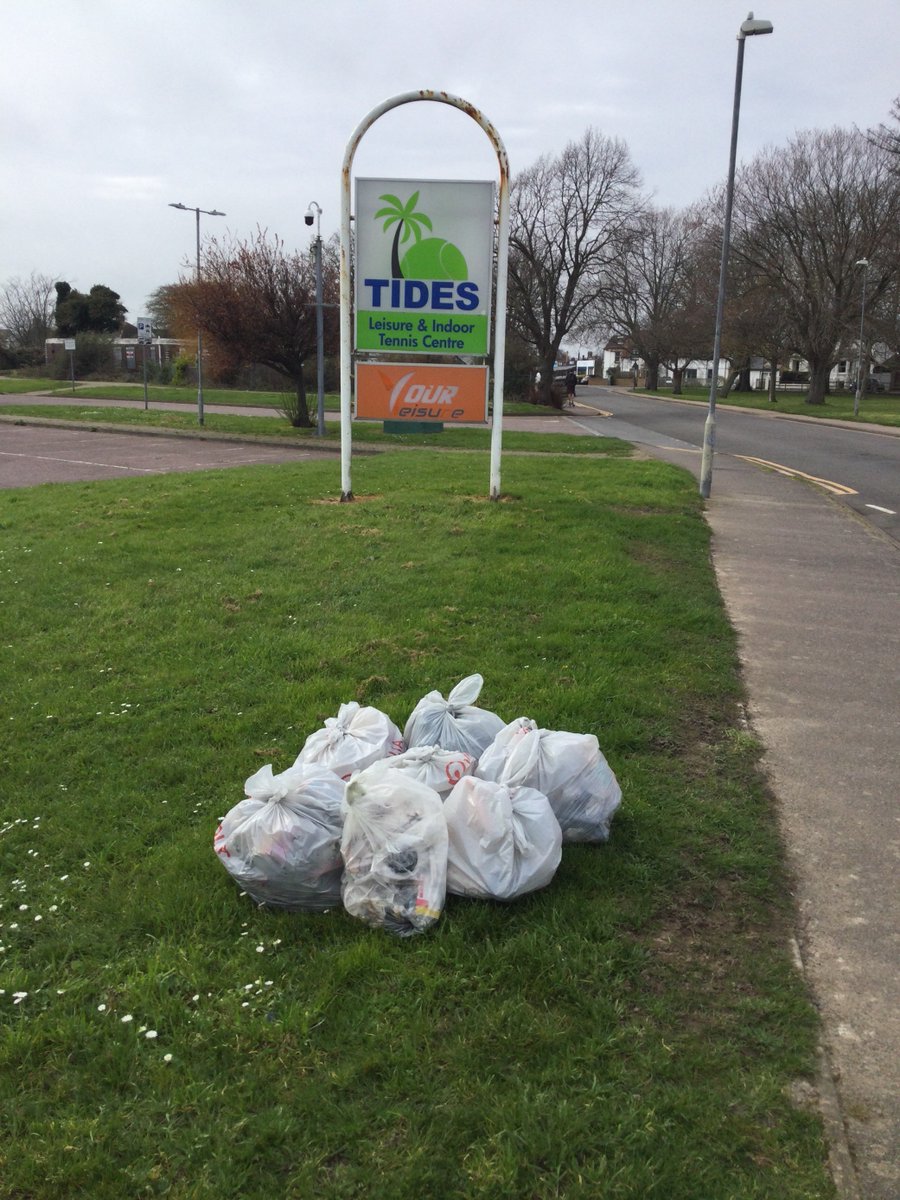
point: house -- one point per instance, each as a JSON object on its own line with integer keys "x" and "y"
{"x": 125, "y": 352}
{"x": 619, "y": 356}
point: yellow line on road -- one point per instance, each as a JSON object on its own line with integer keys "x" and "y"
{"x": 838, "y": 489}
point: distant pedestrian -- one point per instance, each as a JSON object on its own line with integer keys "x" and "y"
{"x": 570, "y": 388}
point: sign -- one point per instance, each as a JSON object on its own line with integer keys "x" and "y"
{"x": 420, "y": 392}
{"x": 424, "y": 266}
{"x": 144, "y": 331}
{"x": 69, "y": 343}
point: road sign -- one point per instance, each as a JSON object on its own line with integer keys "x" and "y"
{"x": 424, "y": 266}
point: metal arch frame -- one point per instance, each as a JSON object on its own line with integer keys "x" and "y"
{"x": 499, "y": 354}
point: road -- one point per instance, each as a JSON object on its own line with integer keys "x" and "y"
{"x": 862, "y": 465}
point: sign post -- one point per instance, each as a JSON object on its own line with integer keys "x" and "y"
{"x": 70, "y": 346}
{"x": 145, "y": 337}
{"x": 424, "y": 275}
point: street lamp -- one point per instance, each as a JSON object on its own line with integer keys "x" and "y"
{"x": 749, "y": 28}
{"x": 864, "y": 263}
{"x": 210, "y": 212}
{"x": 320, "y": 357}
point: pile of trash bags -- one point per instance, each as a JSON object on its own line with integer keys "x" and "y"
{"x": 388, "y": 823}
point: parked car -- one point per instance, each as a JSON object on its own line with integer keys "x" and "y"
{"x": 874, "y": 385}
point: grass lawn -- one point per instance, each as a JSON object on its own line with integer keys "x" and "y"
{"x": 874, "y": 408}
{"x": 633, "y": 1030}
{"x": 13, "y": 385}
{"x": 364, "y": 432}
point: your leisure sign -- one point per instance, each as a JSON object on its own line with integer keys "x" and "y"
{"x": 424, "y": 253}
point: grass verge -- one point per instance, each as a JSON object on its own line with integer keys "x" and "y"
{"x": 631, "y": 1031}
{"x": 364, "y": 432}
{"x": 874, "y": 409}
{"x": 158, "y": 394}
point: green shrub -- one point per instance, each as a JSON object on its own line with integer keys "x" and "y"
{"x": 182, "y": 368}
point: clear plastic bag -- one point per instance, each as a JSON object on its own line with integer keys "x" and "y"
{"x": 394, "y": 848}
{"x": 352, "y": 740}
{"x": 282, "y": 844}
{"x": 437, "y": 768}
{"x": 455, "y": 723}
{"x": 569, "y": 768}
{"x": 503, "y": 842}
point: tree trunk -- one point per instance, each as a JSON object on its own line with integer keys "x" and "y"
{"x": 545, "y": 388}
{"x": 773, "y": 398}
{"x": 302, "y": 418}
{"x": 729, "y": 381}
{"x": 818, "y": 382}
{"x": 294, "y": 405}
{"x": 677, "y": 376}
{"x": 652, "y": 382}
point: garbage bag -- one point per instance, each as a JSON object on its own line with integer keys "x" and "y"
{"x": 352, "y": 740}
{"x": 455, "y": 723}
{"x": 394, "y": 847}
{"x": 503, "y": 841}
{"x": 283, "y": 843}
{"x": 569, "y": 768}
{"x": 438, "y": 768}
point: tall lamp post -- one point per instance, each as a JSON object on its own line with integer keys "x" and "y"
{"x": 749, "y": 28}
{"x": 860, "y": 375}
{"x": 210, "y": 212}
{"x": 320, "y": 354}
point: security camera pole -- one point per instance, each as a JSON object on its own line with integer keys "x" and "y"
{"x": 320, "y": 356}
{"x": 748, "y": 29}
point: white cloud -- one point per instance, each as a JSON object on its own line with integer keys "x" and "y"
{"x": 111, "y": 112}
{"x": 127, "y": 187}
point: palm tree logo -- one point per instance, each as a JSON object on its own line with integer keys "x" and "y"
{"x": 428, "y": 258}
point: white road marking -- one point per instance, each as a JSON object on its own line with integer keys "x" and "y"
{"x": 78, "y": 462}
{"x": 890, "y": 512}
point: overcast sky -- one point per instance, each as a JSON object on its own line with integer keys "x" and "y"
{"x": 111, "y": 109}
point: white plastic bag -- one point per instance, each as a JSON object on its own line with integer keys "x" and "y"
{"x": 504, "y": 842}
{"x": 454, "y": 723}
{"x": 437, "y": 768}
{"x": 394, "y": 847}
{"x": 569, "y": 768}
{"x": 352, "y": 740}
{"x": 282, "y": 844}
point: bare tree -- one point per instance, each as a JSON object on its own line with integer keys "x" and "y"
{"x": 256, "y": 304}
{"x": 888, "y": 137}
{"x": 653, "y": 299}
{"x": 26, "y": 310}
{"x": 567, "y": 217}
{"x": 804, "y": 216}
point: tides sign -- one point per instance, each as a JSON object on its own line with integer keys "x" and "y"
{"x": 424, "y": 255}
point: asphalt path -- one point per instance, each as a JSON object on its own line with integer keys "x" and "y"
{"x": 859, "y": 465}
{"x": 35, "y": 454}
